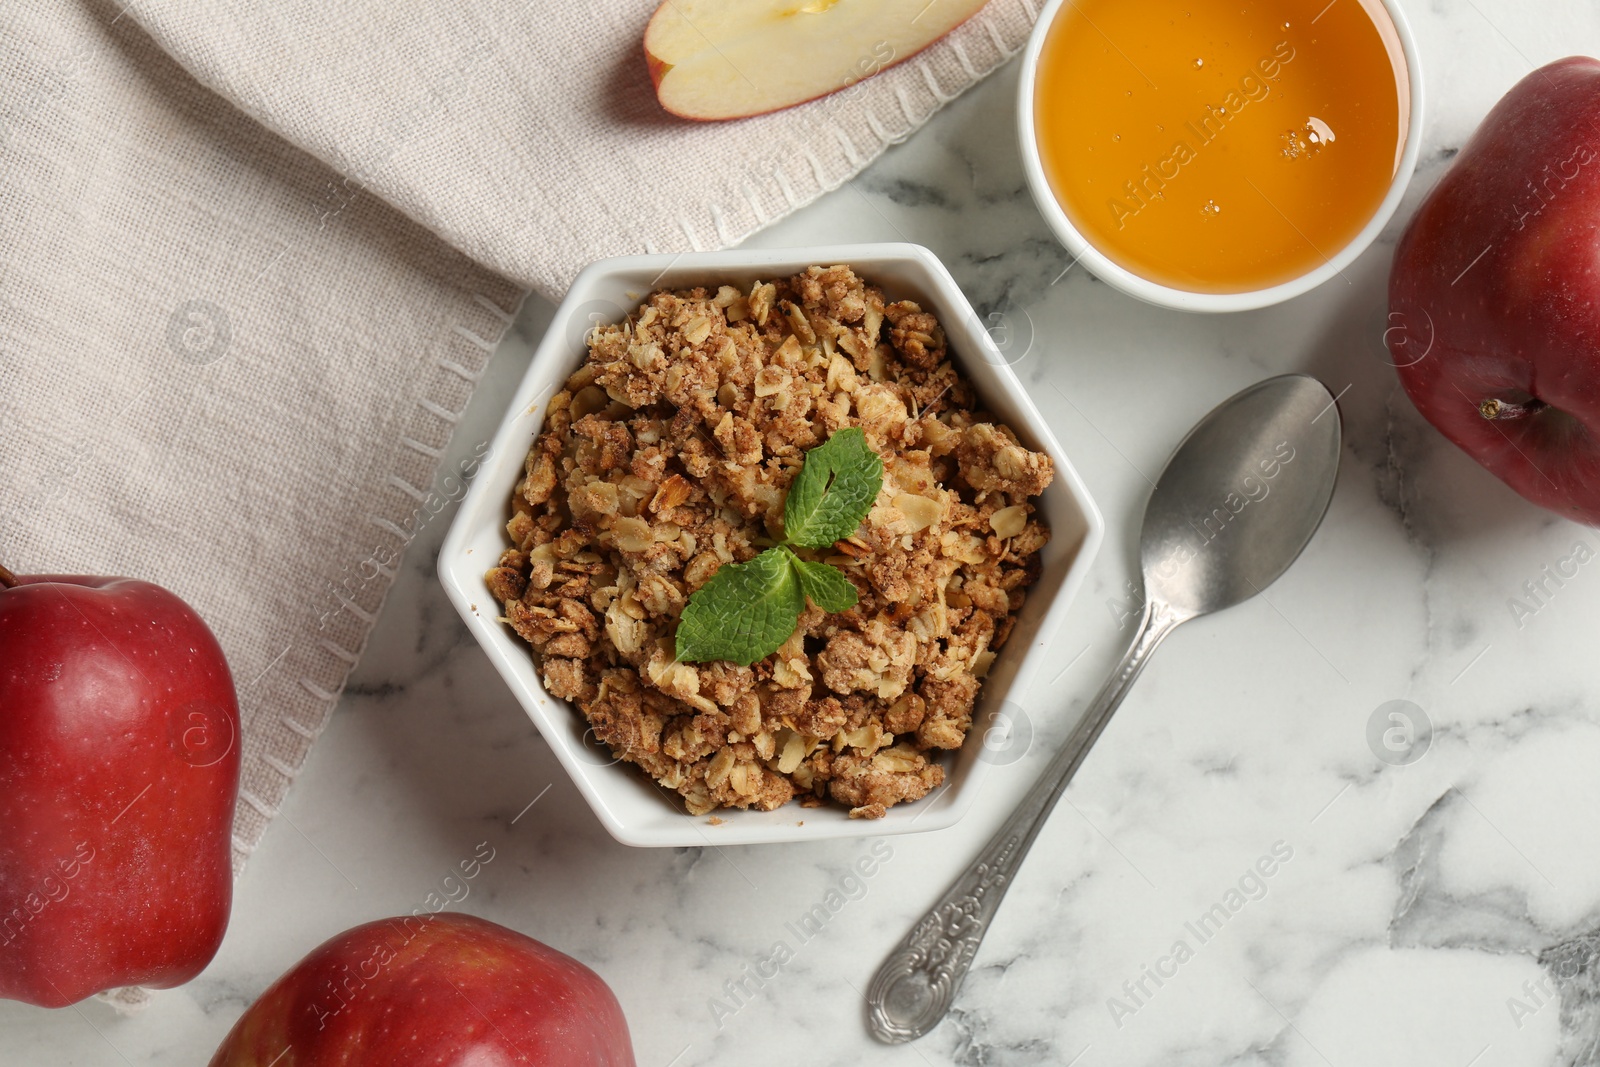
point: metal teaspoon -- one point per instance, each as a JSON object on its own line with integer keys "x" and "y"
{"x": 1237, "y": 502}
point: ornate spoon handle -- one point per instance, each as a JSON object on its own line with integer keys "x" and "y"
{"x": 918, "y": 982}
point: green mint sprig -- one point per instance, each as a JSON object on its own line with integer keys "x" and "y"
{"x": 747, "y": 610}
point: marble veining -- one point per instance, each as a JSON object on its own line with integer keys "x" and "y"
{"x": 1442, "y": 911}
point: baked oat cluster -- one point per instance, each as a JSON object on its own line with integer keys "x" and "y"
{"x": 668, "y": 454}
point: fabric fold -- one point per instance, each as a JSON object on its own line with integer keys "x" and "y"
{"x": 208, "y": 380}
{"x": 526, "y": 132}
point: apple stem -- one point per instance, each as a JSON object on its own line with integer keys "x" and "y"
{"x": 1505, "y": 409}
{"x": 7, "y": 579}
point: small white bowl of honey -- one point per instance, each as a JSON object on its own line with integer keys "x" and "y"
{"x": 1219, "y": 155}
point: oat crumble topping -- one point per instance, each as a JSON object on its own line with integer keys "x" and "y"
{"x": 669, "y": 453}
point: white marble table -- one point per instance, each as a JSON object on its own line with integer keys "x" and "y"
{"x": 1407, "y": 924}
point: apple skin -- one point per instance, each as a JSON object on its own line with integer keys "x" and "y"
{"x": 442, "y": 990}
{"x": 1495, "y": 292}
{"x": 119, "y": 770}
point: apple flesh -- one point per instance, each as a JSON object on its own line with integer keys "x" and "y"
{"x": 724, "y": 59}
{"x": 1494, "y": 297}
{"x": 442, "y": 990}
{"x": 119, "y": 769}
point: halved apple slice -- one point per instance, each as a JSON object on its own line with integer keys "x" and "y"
{"x": 725, "y": 59}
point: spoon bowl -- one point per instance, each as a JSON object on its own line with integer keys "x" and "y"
{"x": 1241, "y": 496}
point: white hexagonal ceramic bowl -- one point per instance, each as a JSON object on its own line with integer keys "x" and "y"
{"x": 628, "y": 803}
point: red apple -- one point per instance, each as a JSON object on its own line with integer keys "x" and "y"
{"x": 119, "y": 768}
{"x": 442, "y": 990}
{"x": 1494, "y": 299}
{"x": 726, "y": 59}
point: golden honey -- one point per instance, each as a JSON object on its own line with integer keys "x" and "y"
{"x": 1220, "y": 146}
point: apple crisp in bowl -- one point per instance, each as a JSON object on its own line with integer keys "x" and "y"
{"x": 670, "y": 454}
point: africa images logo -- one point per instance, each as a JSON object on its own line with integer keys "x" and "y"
{"x": 1250, "y": 886}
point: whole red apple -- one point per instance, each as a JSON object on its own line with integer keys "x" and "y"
{"x": 119, "y": 768}
{"x": 1494, "y": 299}
{"x": 445, "y": 990}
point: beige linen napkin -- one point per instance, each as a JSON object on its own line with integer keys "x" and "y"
{"x": 205, "y": 381}
{"x": 232, "y": 351}
{"x": 526, "y": 132}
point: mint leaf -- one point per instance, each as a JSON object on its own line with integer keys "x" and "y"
{"x": 744, "y": 612}
{"x": 825, "y": 585}
{"x": 749, "y": 609}
{"x": 833, "y": 491}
